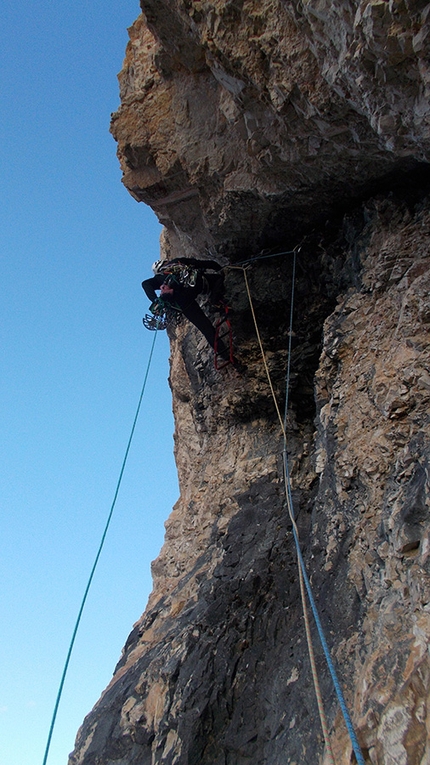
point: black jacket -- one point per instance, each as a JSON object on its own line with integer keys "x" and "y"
{"x": 154, "y": 283}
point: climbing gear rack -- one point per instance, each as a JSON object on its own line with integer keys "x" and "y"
{"x": 162, "y": 316}
{"x": 179, "y": 273}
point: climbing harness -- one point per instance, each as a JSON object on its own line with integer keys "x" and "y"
{"x": 96, "y": 560}
{"x": 304, "y": 582}
{"x": 167, "y": 314}
{"x": 223, "y": 330}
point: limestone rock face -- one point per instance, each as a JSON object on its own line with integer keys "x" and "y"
{"x": 235, "y": 112}
{"x": 289, "y": 126}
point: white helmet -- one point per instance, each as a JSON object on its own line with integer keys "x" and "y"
{"x": 156, "y": 267}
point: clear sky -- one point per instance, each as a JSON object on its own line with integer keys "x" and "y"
{"x": 74, "y": 247}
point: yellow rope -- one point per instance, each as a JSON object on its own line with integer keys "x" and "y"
{"x": 262, "y": 351}
{"x": 318, "y": 694}
{"x": 322, "y": 715}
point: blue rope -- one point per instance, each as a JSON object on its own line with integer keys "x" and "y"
{"x": 290, "y": 337}
{"x": 342, "y": 703}
{"x": 75, "y": 630}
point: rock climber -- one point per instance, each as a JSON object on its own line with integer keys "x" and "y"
{"x": 180, "y": 281}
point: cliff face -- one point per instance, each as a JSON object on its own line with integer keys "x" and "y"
{"x": 251, "y": 125}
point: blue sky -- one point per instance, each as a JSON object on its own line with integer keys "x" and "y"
{"x": 74, "y": 247}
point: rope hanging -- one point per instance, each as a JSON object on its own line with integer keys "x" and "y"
{"x": 303, "y": 577}
{"x": 156, "y": 323}
{"x": 96, "y": 560}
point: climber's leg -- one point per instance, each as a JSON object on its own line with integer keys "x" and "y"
{"x": 196, "y": 316}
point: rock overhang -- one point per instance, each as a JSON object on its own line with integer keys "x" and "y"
{"x": 249, "y": 139}
{"x": 250, "y": 125}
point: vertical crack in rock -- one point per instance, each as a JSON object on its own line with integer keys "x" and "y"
{"x": 249, "y": 125}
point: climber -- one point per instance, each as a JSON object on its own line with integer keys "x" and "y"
{"x": 180, "y": 281}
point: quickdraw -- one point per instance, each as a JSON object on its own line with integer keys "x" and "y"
{"x": 162, "y": 315}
